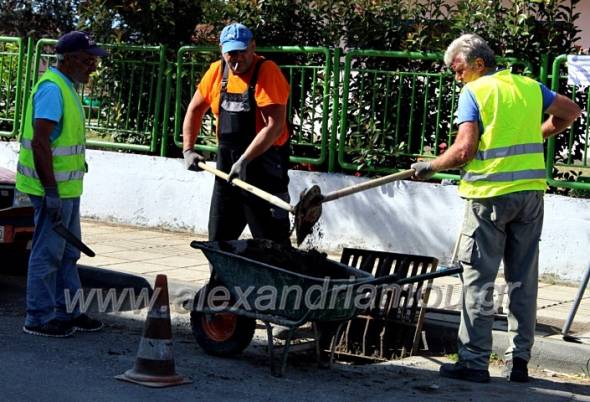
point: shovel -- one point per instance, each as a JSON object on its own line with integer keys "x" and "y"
{"x": 71, "y": 238}
{"x": 309, "y": 207}
{"x": 273, "y": 199}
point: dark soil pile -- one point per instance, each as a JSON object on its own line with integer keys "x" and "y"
{"x": 310, "y": 263}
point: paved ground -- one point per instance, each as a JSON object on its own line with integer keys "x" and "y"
{"x": 93, "y": 359}
{"x": 83, "y": 367}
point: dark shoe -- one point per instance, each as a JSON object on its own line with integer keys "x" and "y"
{"x": 460, "y": 372}
{"x": 53, "y": 328}
{"x": 516, "y": 370}
{"x": 84, "y": 323}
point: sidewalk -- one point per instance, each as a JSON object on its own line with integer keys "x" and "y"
{"x": 147, "y": 252}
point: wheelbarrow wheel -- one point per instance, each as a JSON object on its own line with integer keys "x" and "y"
{"x": 221, "y": 334}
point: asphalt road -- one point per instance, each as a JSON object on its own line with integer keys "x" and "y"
{"x": 83, "y": 367}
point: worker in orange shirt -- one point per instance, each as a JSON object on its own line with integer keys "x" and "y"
{"x": 248, "y": 96}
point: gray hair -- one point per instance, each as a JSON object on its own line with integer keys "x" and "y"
{"x": 470, "y": 46}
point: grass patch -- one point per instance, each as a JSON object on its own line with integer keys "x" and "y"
{"x": 554, "y": 279}
{"x": 494, "y": 358}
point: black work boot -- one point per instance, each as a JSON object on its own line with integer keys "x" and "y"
{"x": 460, "y": 372}
{"x": 516, "y": 370}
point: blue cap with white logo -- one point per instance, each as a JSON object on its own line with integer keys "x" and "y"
{"x": 235, "y": 37}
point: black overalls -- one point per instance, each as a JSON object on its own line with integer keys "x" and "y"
{"x": 231, "y": 207}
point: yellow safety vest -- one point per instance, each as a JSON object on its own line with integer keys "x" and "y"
{"x": 510, "y": 153}
{"x": 68, "y": 149}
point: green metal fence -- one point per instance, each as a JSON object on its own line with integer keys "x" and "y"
{"x": 12, "y": 66}
{"x": 396, "y": 107}
{"x": 123, "y": 99}
{"x": 568, "y": 153}
{"x": 192, "y": 63}
{"x": 309, "y": 72}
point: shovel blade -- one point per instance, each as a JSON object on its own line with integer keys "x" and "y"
{"x": 61, "y": 230}
{"x": 307, "y": 212}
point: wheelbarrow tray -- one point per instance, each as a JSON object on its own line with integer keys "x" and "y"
{"x": 279, "y": 281}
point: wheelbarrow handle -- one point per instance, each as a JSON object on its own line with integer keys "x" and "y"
{"x": 395, "y": 279}
{"x": 334, "y": 195}
{"x": 273, "y": 199}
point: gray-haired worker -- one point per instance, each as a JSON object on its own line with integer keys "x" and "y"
{"x": 500, "y": 147}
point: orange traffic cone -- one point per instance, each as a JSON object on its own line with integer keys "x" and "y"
{"x": 154, "y": 365}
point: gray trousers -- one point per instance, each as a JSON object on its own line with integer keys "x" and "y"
{"x": 506, "y": 227}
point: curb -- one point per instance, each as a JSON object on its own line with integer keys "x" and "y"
{"x": 120, "y": 282}
{"x": 551, "y": 354}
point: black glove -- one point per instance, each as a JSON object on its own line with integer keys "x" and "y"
{"x": 238, "y": 169}
{"x": 192, "y": 159}
{"x": 423, "y": 170}
{"x": 52, "y": 204}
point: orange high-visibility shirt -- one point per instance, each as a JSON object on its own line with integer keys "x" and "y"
{"x": 271, "y": 89}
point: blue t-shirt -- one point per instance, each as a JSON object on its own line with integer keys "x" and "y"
{"x": 48, "y": 103}
{"x": 467, "y": 109}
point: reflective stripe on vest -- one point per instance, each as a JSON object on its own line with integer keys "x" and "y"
{"x": 57, "y": 151}
{"x": 510, "y": 150}
{"x": 505, "y": 176}
{"x": 59, "y": 176}
{"x": 519, "y": 149}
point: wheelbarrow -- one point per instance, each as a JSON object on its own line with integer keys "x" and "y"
{"x": 276, "y": 284}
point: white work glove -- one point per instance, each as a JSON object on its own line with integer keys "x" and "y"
{"x": 238, "y": 169}
{"x": 423, "y": 170}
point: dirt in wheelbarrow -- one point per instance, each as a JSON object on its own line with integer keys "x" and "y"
{"x": 310, "y": 262}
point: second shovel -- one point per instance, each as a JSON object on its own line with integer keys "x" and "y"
{"x": 71, "y": 238}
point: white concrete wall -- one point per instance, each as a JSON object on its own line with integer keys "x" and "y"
{"x": 405, "y": 216}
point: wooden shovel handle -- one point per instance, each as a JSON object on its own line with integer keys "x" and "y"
{"x": 273, "y": 199}
{"x": 334, "y": 195}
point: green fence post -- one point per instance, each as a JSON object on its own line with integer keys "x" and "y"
{"x": 166, "y": 112}
{"x": 11, "y": 74}
{"x": 550, "y": 163}
{"x": 19, "y": 91}
{"x": 544, "y": 69}
{"x": 27, "y": 82}
{"x": 332, "y": 151}
{"x": 158, "y": 105}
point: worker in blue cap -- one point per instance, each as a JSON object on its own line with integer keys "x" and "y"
{"x": 248, "y": 96}
{"x": 50, "y": 170}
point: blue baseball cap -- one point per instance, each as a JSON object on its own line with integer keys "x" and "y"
{"x": 77, "y": 41}
{"x": 235, "y": 37}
